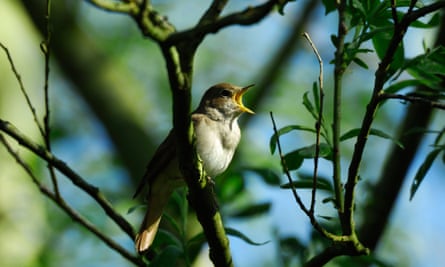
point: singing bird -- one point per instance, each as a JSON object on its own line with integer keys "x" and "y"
{"x": 217, "y": 134}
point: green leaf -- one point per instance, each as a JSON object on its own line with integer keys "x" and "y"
{"x": 381, "y": 41}
{"x": 309, "y": 106}
{"x": 281, "y": 4}
{"x": 236, "y": 233}
{"x": 315, "y": 92}
{"x": 308, "y": 152}
{"x": 433, "y": 22}
{"x": 355, "y": 132}
{"x": 401, "y": 85}
{"x": 252, "y": 210}
{"x": 136, "y": 207}
{"x": 428, "y": 68}
{"x": 329, "y": 200}
{"x": 423, "y": 170}
{"x": 285, "y": 130}
{"x": 194, "y": 245}
{"x": 360, "y": 62}
{"x": 322, "y": 184}
{"x": 167, "y": 257}
{"x": 164, "y": 237}
{"x": 327, "y": 218}
{"x": 329, "y": 6}
{"x": 269, "y": 176}
{"x": 230, "y": 187}
{"x": 174, "y": 223}
{"x": 293, "y": 160}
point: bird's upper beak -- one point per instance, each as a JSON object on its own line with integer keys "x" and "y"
{"x": 238, "y": 97}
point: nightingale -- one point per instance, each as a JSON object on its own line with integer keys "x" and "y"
{"x": 216, "y": 133}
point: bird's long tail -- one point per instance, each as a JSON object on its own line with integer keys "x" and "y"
{"x": 149, "y": 227}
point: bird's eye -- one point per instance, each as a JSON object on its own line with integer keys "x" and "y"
{"x": 226, "y": 93}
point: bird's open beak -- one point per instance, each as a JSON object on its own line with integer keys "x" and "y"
{"x": 238, "y": 97}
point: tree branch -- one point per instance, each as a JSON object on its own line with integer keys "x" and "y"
{"x": 249, "y": 16}
{"x": 339, "y": 69}
{"x": 130, "y": 7}
{"x": 76, "y": 179}
{"x": 386, "y": 190}
{"x": 380, "y": 78}
{"x": 414, "y": 99}
{"x": 60, "y": 202}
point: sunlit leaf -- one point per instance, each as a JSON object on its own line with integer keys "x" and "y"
{"x": 236, "y": 233}
{"x": 423, "y": 170}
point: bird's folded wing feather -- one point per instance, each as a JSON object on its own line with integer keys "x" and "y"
{"x": 160, "y": 160}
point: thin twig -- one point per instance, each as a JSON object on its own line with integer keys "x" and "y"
{"x": 300, "y": 203}
{"x": 339, "y": 70}
{"x": 213, "y": 12}
{"x": 375, "y": 101}
{"x": 248, "y": 16}
{"x": 22, "y": 88}
{"x": 130, "y": 7}
{"x": 60, "y": 202}
{"x": 394, "y": 12}
{"x": 46, "y": 49}
{"x": 319, "y": 122}
{"x": 414, "y": 99}
{"x": 75, "y": 178}
{"x": 286, "y": 170}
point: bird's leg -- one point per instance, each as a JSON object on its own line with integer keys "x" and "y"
{"x": 210, "y": 180}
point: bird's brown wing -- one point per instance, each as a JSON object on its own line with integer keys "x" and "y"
{"x": 160, "y": 160}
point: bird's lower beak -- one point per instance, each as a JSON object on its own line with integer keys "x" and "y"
{"x": 238, "y": 97}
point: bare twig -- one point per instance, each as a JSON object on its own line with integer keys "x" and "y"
{"x": 300, "y": 203}
{"x": 130, "y": 7}
{"x": 319, "y": 122}
{"x": 414, "y": 99}
{"x": 379, "y": 81}
{"x": 286, "y": 170}
{"x": 46, "y": 49}
{"x": 22, "y": 88}
{"x": 394, "y": 12}
{"x": 75, "y": 178}
{"x": 249, "y": 16}
{"x": 213, "y": 12}
{"x": 339, "y": 70}
{"x": 60, "y": 202}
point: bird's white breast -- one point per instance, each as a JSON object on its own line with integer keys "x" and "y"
{"x": 216, "y": 143}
